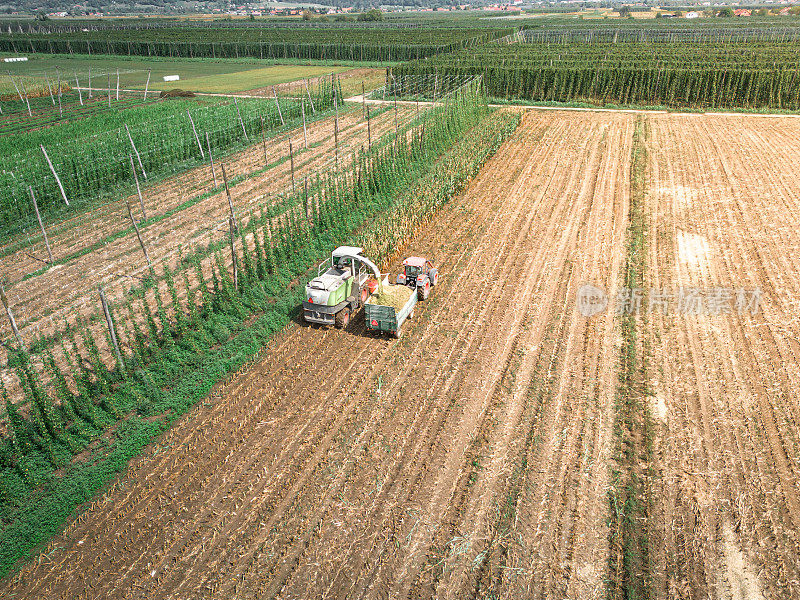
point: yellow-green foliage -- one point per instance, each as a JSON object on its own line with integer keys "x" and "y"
{"x": 395, "y": 296}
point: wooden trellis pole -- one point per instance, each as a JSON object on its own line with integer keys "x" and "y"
{"x": 109, "y": 89}
{"x": 196, "y": 137}
{"x": 49, "y": 89}
{"x": 10, "y": 316}
{"x": 211, "y": 158}
{"x": 30, "y": 114}
{"x": 291, "y": 163}
{"x": 305, "y": 134}
{"x": 78, "y": 87}
{"x": 111, "y": 331}
{"x": 138, "y": 189}
{"x": 238, "y": 112}
{"x": 363, "y": 101}
{"x": 147, "y": 85}
{"x": 90, "y": 83}
{"x": 369, "y": 130}
{"x": 21, "y": 99}
{"x": 278, "y": 104}
{"x": 264, "y": 142}
{"x": 53, "y": 171}
{"x": 232, "y": 223}
{"x": 336, "y": 131}
{"x": 41, "y": 224}
{"x": 230, "y": 200}
{"x": 58, "y": 93}
{"x": 308, "y": 92}
{"x": 117, "y": 84}
{"x": 394, "y": 89}
{"x": 138, "y": 233}
{"x": 135, "y": 151}
{"x": 305, "y": 198}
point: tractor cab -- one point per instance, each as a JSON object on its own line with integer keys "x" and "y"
{"x": 420, "y": 274}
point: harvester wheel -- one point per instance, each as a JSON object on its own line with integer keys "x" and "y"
{"x": 364, "y": 295}
{"x": 433, "y": 275}
{"x": 424, "y": 292}
{"x": 342, "y": 318}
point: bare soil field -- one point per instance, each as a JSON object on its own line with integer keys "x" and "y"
{"x": 722, "y": 206}
{"x": 473, "y": 458}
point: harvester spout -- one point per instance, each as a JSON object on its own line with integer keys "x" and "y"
{"x": 372, "y": 266}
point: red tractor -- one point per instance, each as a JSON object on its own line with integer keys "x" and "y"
{"x": 420, "y": 274}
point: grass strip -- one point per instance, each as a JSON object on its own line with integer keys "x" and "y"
{"x": 630, "y": 493}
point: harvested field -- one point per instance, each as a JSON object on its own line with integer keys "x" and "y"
{"x": 481, "y": 456}
{"x": 724, "y": 196}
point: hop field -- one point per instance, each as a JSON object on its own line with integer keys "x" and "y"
{"x": 294, "y": 42}
{"x": 721, "y": 74}
{"x": 92, "y": 155}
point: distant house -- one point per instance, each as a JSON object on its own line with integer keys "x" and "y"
{"x": 742, "y": 12}
{"x": 692, "y": 15}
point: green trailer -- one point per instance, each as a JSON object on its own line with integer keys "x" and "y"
{"x": 387, "y": 311}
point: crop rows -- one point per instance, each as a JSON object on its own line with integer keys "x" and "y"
{"x": 45, "y": 113}
{"x": 96, "y": 165}
{"x": 335, "y": 43}
{"x": 723, "y": 75}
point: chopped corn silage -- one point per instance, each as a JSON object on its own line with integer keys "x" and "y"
{"x": 395, "y": 296}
